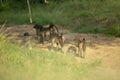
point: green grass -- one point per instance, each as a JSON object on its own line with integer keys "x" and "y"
{"x": 114, "y": 31}
{"x": 86, "y": 16}
{"x": 21, "y": 63}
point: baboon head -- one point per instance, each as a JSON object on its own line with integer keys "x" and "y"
{"x": 36, "y": 26}
{"x": 26, "y": 34}
{"x": 83, "y": 40}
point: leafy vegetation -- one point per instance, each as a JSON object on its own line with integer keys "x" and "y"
{"x": 87, "y": 16}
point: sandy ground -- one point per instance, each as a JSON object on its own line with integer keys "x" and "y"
{"x": 106, "y": 49}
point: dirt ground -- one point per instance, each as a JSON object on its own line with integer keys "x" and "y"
{"x": 106, "y": 49}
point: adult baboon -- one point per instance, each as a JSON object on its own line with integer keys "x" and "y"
{"x": 45, "y": 32}
{"x": 38, "y": 28}
{"x": 53, "y": 29}
{"x": 81, "y": 48}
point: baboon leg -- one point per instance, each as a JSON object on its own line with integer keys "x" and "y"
{"x": 78, "y": 51}
{"x": 52, "y": 43}
{"x": 42, "y": 39}
{"x": 39, "y": 39}
{"x": 42, "y": 36}
{"x": 84, "y": 49}
{"x": 83, "y": 54}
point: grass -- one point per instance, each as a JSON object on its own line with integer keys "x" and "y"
{"x": 18, "y": 63}
{"x": 84, "y": 16}
{"x": 115, "y": 31}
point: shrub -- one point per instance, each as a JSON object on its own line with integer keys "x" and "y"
{"x": 115, "y": 31}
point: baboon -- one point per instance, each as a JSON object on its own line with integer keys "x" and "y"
{"x": 43, "y": 32}
{"x": 57, "y": 39}
{"x": 49, "y": 31}
{"x": 81, "y": 48}
{"x": 38, "y": 28}
{"x": 54, "y": 29}
{"x": 26, "y": 34}
{"x": 72, "y": 50}
{"x": 39, "y": 32}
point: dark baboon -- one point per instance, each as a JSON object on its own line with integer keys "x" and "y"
{"x": 39, "y": 32}
{"x": 82, "y": 48}
{"x": 38, "y": 28}
{"x": 43, "y": 32}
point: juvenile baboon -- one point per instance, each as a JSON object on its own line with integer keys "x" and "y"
{"x": 57, "y": 39}
{"x": 72, "y": 50}
{"x": 81, "y": 48}
{"x": 43, "y": 32}
{"x": 26, "y": 34}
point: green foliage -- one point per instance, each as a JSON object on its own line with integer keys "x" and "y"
{"x": 115, "y": 31}
{"x": 89, "y": 16}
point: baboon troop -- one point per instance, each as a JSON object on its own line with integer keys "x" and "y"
{"x": 52, "y": 35}
{"x": 43, "y": 32}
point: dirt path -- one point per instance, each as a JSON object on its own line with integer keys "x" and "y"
{"x": 106, "y": 49}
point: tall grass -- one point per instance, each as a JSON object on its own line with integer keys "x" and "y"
{"x": 18, "y": 63}
{"x": 79, "y": 15}
{"x": 114, "y": 31}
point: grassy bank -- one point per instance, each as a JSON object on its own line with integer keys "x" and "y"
{"x": 18, "y": 63}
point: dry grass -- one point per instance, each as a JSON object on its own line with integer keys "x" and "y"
{"x": 102, "y": 51}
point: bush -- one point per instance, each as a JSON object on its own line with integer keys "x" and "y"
{"x": 114, "y": 31}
